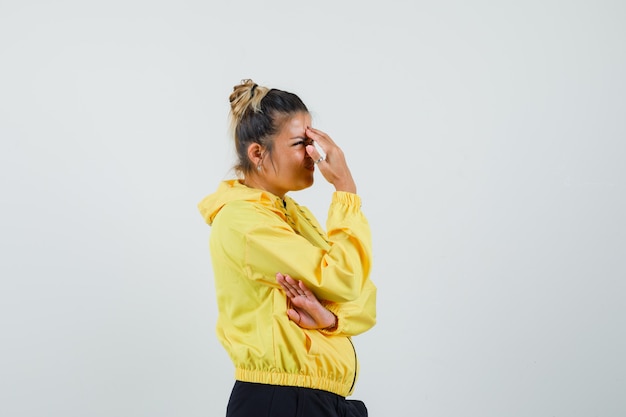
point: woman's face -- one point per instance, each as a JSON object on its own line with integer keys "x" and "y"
{"x": 290, "y": 167}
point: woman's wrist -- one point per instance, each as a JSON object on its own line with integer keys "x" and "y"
{"x": 334, "y": 324}
{"x": 346, "y": 186}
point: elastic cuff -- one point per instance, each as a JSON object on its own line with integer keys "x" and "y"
{"x": 349, "y": 199}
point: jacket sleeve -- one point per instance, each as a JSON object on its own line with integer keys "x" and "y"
{"x": 337, "y": 273}
{"x": 354, "y": 317}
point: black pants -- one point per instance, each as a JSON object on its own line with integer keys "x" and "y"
{"x": 260, "y": 400}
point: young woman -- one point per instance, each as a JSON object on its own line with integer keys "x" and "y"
{"x": 290, "y": 295}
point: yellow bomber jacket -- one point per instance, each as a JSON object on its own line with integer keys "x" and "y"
{"x": 254, "y": 235}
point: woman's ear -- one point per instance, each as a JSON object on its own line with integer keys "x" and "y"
{"x": 255, "y": 153}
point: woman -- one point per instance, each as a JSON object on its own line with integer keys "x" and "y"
{"x": 290, "y": 295}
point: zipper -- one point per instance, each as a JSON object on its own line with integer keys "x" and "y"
{"x": 356, "y": 364}
{"x": 290, "y": 221}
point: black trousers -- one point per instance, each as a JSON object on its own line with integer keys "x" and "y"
{"x": 261, "y": 400}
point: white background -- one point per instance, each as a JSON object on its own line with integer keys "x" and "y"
{"x": 487, "y": 140}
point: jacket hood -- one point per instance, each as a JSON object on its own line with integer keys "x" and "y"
{"x": 232, "y": 190}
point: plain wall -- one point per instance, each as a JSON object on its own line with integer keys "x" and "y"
{"x": 487, "y": 140}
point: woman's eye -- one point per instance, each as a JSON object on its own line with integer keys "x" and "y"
{"x": 303, "y": 142}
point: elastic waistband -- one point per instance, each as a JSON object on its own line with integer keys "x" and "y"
{"x": 296, "y": 380}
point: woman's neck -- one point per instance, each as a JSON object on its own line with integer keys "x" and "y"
{"x": 253, "y": 181}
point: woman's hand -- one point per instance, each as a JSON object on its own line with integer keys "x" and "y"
{"x": 333, "y": 166}
{"x": 306, "y": 310}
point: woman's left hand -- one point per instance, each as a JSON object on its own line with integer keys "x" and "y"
{"x": 333, "y": 166}
{"x": 307, "y": 312}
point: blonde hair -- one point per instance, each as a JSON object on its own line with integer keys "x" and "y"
{"x": 245, "y": 97}
{"x": 256, "y": 115}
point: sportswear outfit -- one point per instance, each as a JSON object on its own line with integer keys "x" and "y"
{"x": 254, "y": 235}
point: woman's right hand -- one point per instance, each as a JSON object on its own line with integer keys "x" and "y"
{"x": 306, "y": 310}
{"x": 334, "y": 166}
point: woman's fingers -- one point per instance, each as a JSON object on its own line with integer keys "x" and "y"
{"x": 320, "y": 137}
{"x": 291, "y": 286}
{"x": 305, "y": 290}
{"x": 294, "y": 316}
{"x": 287, "y": 287}
{"x": 303, "y": 306}
{"x": 320, "y": 147}
{"x": 333, "y": 166}
{"x": 314, "y": 154}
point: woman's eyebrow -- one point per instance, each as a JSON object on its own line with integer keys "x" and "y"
{"x": 299, "y": 137}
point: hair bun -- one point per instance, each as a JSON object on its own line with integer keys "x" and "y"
{"x": 245, "y": 97}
